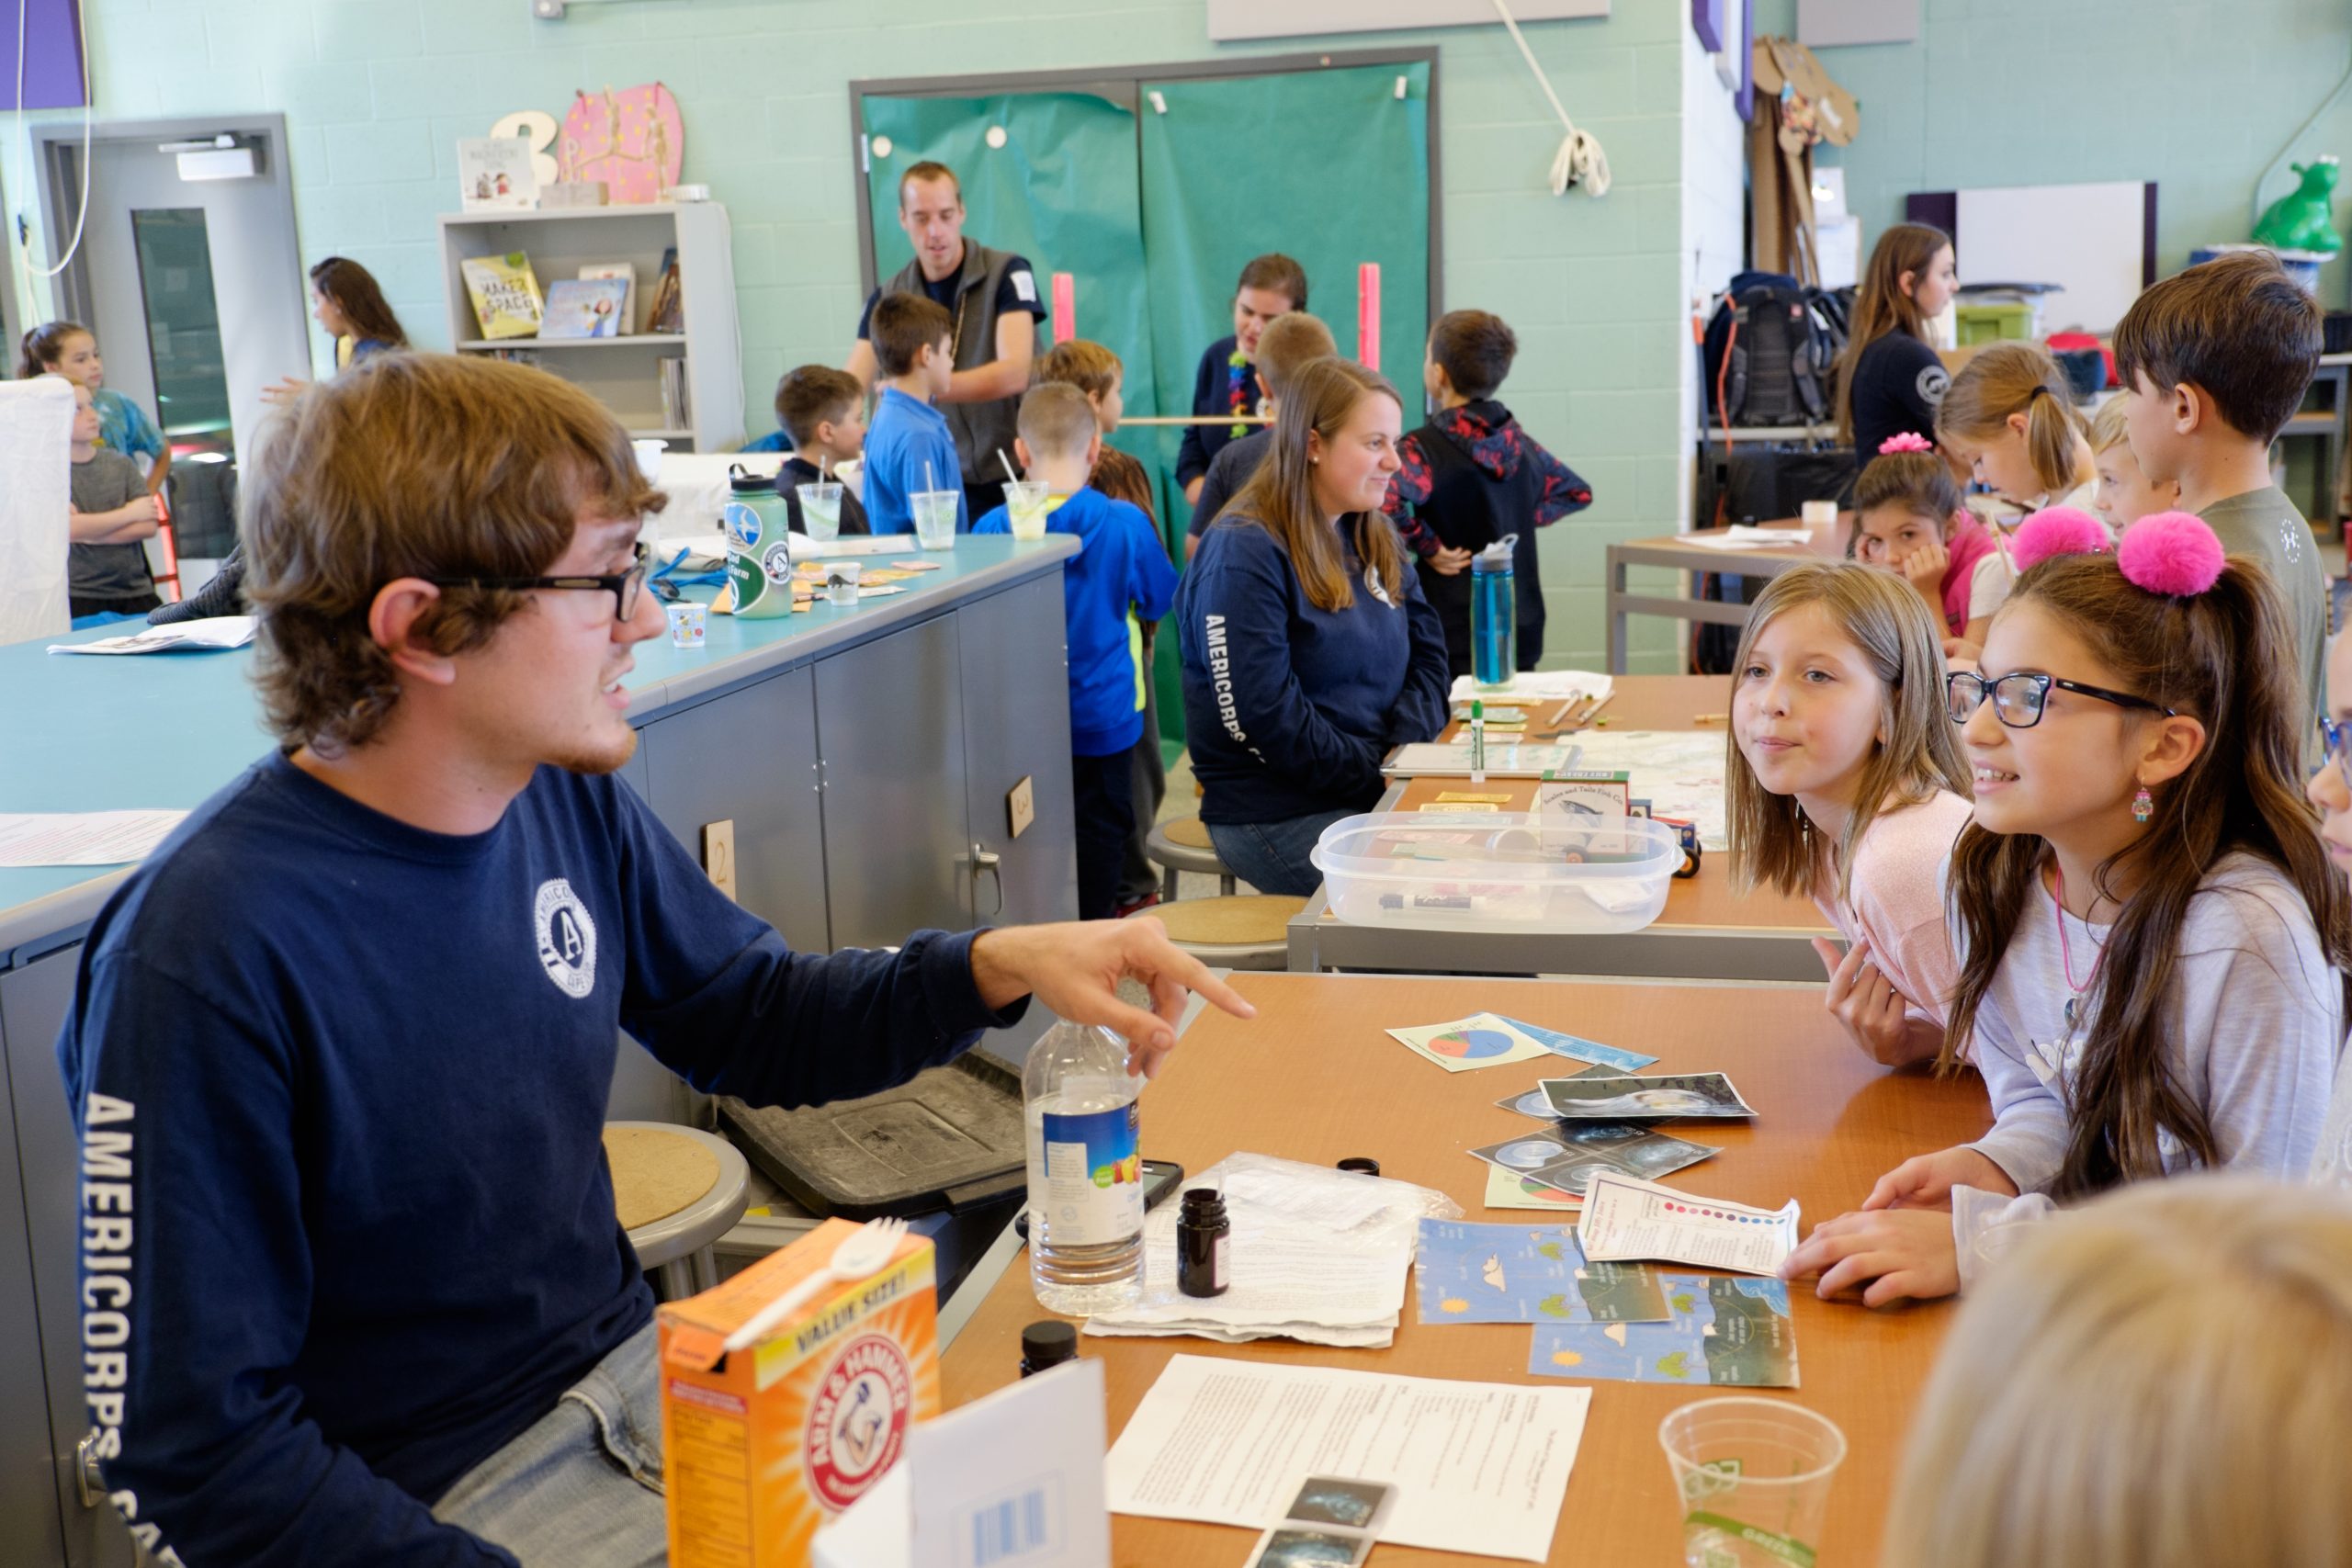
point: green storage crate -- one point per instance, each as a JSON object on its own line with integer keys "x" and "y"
{"x": 1993, "y": 323}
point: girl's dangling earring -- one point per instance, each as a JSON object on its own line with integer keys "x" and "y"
{"x": 2143, "y": 805}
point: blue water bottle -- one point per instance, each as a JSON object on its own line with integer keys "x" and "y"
{"x": 1493, "y": 617}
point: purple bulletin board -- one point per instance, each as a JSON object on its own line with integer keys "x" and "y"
{"x": 52, "y": 66}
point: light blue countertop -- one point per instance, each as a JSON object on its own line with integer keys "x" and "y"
{"x": 166, "y": 730}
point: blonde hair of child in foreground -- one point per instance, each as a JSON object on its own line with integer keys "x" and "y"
{"x": 2157, "y": 1380}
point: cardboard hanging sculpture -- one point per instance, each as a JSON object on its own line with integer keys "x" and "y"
{"x": 631, "y": 141}
{"x": 1798, "y": 107}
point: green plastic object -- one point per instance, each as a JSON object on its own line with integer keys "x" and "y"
{"x": 1972, "y": 325}
{"x": 2302, "y": 220}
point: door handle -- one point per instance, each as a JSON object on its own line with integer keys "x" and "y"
{"x": 88, "y": 1484}
{"x": 988, "y": 861}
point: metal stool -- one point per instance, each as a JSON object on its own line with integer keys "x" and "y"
{"x": 678, "y": 1190}
{"x": 1246, "y": 932}
{"x": 1182, "y": 843}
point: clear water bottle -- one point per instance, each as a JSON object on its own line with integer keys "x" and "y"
{"x": 1493, "y": 617}
{"x": 1085, "y": 1173}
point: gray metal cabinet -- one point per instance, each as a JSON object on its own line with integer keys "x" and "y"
{"x": 749, "y": 757}
{"x": 1015, "y": 670}
{"x": 33, "y": 1004}
{"x": 890, "y": 721}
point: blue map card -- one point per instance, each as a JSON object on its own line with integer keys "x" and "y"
{"x": 1532, "y": 1273}
{"x": 1724, "y": 1334}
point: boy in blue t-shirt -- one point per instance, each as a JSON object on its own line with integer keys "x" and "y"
{"x": 908, "y": 447}
{"x": 1121, "y": 564}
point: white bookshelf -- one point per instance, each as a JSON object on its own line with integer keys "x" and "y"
{"x": 624, "y": 373}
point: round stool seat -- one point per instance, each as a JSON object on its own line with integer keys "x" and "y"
{"x": 1249, "y": 932}
{"x": 677, "y": 1189}
{"x": 1189, "y": 831}
{"x": 1182, "y": 843}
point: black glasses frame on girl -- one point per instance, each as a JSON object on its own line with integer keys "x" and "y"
{"x": 2019, "y": 699}
{"x": 623, "y": 586}
{"x": 2336, "y": 744}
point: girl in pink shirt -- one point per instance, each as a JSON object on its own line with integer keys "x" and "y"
{"x": 1843, "y": 781}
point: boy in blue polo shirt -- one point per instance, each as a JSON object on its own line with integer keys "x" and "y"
{"x": 1121, "y": 564}
{"x": 907, "y": 446}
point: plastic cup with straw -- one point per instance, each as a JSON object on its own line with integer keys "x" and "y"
{"x": 1024, "y": 503}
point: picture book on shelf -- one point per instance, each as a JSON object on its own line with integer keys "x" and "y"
{"x": 668, "y": 313}
{"x": 494, "y": 174}
{"x": 579, "y": 308}
{"x": 618, "y": 269}
{"x": 505, "y": 293}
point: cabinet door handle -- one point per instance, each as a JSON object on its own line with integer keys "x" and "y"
{"x": 88, "y": 1483}
{"x": 988, "y": 861}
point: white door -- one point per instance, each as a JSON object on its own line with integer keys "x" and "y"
{"x": 194, "y": 286}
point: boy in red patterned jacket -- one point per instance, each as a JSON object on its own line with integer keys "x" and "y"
{"x": 1471, "y": 475}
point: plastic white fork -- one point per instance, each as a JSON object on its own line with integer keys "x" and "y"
{"x": 863, "y": 1252}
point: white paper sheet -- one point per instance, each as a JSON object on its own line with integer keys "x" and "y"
{"x": 1626, "y": 1219}
{"x": 1478, "y": 1467}
{"x": 1679, "y": 772}
{"x": 1742, "y": 537}
{"x": 36, "y": 466}
{"x": 209, "y": 636}
{"x": 1506, "y": 758}
{"x": 81, "y": 838}
{"x": 1553, "y": 686}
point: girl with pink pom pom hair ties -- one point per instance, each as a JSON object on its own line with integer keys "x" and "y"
{"x": 1909, "y": 520}
{"x": 2151, "y": 940}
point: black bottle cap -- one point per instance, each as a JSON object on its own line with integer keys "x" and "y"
{"x": 1048, "y": 1344}
{"x": 1361, "y": 1165}
{"x": 741, "y": 482}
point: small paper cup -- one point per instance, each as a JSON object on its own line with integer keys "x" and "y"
{"x": 689, "y": 622}
{"x": 841, "y": 583}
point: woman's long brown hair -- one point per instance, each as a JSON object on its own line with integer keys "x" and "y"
{"x": 353, "y": 288}
{"x": 1880, "y": 306}
{"x": 1280, "y": 495}
{"x": 2225, "y": 657}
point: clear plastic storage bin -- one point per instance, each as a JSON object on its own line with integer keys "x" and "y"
{"x": 1500, "y": 872}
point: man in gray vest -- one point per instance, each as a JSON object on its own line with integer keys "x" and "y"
{"x": 992, "y": 295}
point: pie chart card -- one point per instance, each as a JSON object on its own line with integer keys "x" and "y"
{"x": 1482, "y": 1039}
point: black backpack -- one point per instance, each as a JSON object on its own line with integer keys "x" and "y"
{"x": 1770, "y": 353}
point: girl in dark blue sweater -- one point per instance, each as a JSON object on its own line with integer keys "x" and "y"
{"x": 1271, "y": 286}
{"x": 1308, "y": 651}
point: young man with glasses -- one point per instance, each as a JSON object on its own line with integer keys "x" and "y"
{"x": 355, "y": 1290}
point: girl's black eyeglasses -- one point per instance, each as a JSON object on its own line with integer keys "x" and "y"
{"x": 2019, "y": 699}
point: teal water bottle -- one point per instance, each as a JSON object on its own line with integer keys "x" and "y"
{"x": 1493, "y": 617}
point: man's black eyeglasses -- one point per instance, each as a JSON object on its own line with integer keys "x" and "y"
{"x": 2018, "y": 699}
{"x": 622, "y": 585}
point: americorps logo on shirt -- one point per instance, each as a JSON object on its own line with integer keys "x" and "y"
{"x": 1933, "y": 383}
{"x": 567, "y": 938}
{"x": 1379, "y": 589}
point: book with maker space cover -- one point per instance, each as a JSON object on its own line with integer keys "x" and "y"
{"x": 584, "y": 308}
{"x": 505, "y": 294}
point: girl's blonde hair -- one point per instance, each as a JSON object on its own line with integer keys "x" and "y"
{"x": 2155, "y": 1380}
{"x": 2010, "y": 378}
{"x": 1885, "y": 619}
{"x": 2106, "y": 428}
{"x": 1280, "y": 495}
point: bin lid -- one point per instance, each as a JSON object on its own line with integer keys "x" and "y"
{"x": 950, "y": 1138}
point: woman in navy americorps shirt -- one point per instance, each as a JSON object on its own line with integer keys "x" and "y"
{"x": 1309, "y": 651}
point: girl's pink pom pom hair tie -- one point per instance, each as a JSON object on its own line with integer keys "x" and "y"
{"x": 1906, "y": 442}
{"x": 2056, "y": 531}
{"x": 2172, "y": 552}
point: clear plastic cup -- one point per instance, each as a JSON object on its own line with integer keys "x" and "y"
{"x": 841, "y": 583}
{"x": 1025, "y": 508}
{"x": 820, "y": 510}
{"x": 935, "y": 517}
{"x": 1752, "y": 1476}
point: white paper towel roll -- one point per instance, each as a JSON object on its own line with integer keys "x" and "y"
{"x": 36, "y": 434}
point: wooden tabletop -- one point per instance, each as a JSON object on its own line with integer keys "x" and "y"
{"x": 1313, "y": 1079}
{"x": 1636, "y": 702}
{"x": 1826, "y": 544}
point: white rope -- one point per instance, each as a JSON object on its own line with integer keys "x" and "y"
{"x": 24, "y": 140}
{"x": 1580, "y": 161}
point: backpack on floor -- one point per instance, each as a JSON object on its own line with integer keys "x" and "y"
{"x": 1769, "y": 353}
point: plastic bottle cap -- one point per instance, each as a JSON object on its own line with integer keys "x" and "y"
{"x": 1361, "y": 1165}
{"x": 1048, "y": 1343}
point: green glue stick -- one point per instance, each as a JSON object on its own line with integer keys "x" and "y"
{"x": 1477, "y": 741}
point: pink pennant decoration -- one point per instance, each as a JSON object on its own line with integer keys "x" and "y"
{"x": 1368, "y": 314}
{"x": 1064, "y": 307}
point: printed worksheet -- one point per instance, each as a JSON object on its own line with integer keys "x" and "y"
{"x": 1625, "y": 1218}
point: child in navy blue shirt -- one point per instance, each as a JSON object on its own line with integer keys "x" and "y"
{"x": 907, "y": 447}
{"x": 1225, "y": 383}
{"x": 823, "y": 412}
{"x": 1471, "y": 475}
{"x": 1121, "y": 564}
